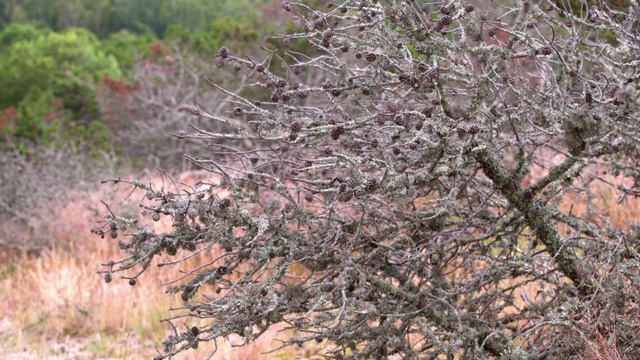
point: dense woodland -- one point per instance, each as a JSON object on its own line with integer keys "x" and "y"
{"x": 64, "y": 61}
{"x": 105, "y": 17}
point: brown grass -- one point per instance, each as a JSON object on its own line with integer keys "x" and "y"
{"x": 55, "y": 305}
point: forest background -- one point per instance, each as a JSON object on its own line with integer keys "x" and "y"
{"x": 91, "y": 89}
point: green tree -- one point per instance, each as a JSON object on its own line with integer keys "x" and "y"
{"x": 16, "y": 33}
{"x": 53, "y": 60}
{"x": 62, "y": 66}
{"x": 124, "y": 45}
{"x": 222, "y": 32}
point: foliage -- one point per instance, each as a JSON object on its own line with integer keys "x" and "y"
{"x": 413, "y": 202}
{"x": 105, "y": 17}
{"x": 221, "y": 30}
{"x": 18, "y": 33}
{"x": 48, "y": 76}
{"x": 52, "y": 59}
{"x": 124, "y": 46}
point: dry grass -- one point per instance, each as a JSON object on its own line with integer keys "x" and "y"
{"x": 56, "y": 306}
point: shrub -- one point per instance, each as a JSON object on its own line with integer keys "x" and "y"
{"x": 417, "y": 202}
{"x": 36, "y": 182}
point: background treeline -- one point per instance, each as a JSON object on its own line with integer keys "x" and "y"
{"x": 105, "y": 17}
{"x": 90, "y": 86}
{"x": 68, "y": 65}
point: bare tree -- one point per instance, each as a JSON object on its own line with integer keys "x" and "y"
{"x": 410, "y": 204}
{"x": 34, "y": 185}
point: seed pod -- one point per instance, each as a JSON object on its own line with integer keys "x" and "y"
{"x": 445, "y": 20}
{"x": 469, "y": 8}
{"x": 155, "y": 216}
{"x": 337, "y": 131}
{"x": 308, "y": 197}
{"x": 195, "y": 331}
{"x": 328, "y": 151}
{"x": 237, "y": 112}
{"x": 224, "y": 204}
{"x": 398, "y": 119}
{"x": 546, "y": 49}
{"x": 108, "y": 277}
{"x": 371, "y": 57}
{"x": 132, "y": 282}
{"x": 370, "y": 185}
{"x": 224, "y": 52}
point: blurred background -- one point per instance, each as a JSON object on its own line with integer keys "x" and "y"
{"x": 90, "y": 89}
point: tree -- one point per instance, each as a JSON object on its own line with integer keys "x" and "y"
{"x": 48, "y": 72}
{"x": 415, "y": 202}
